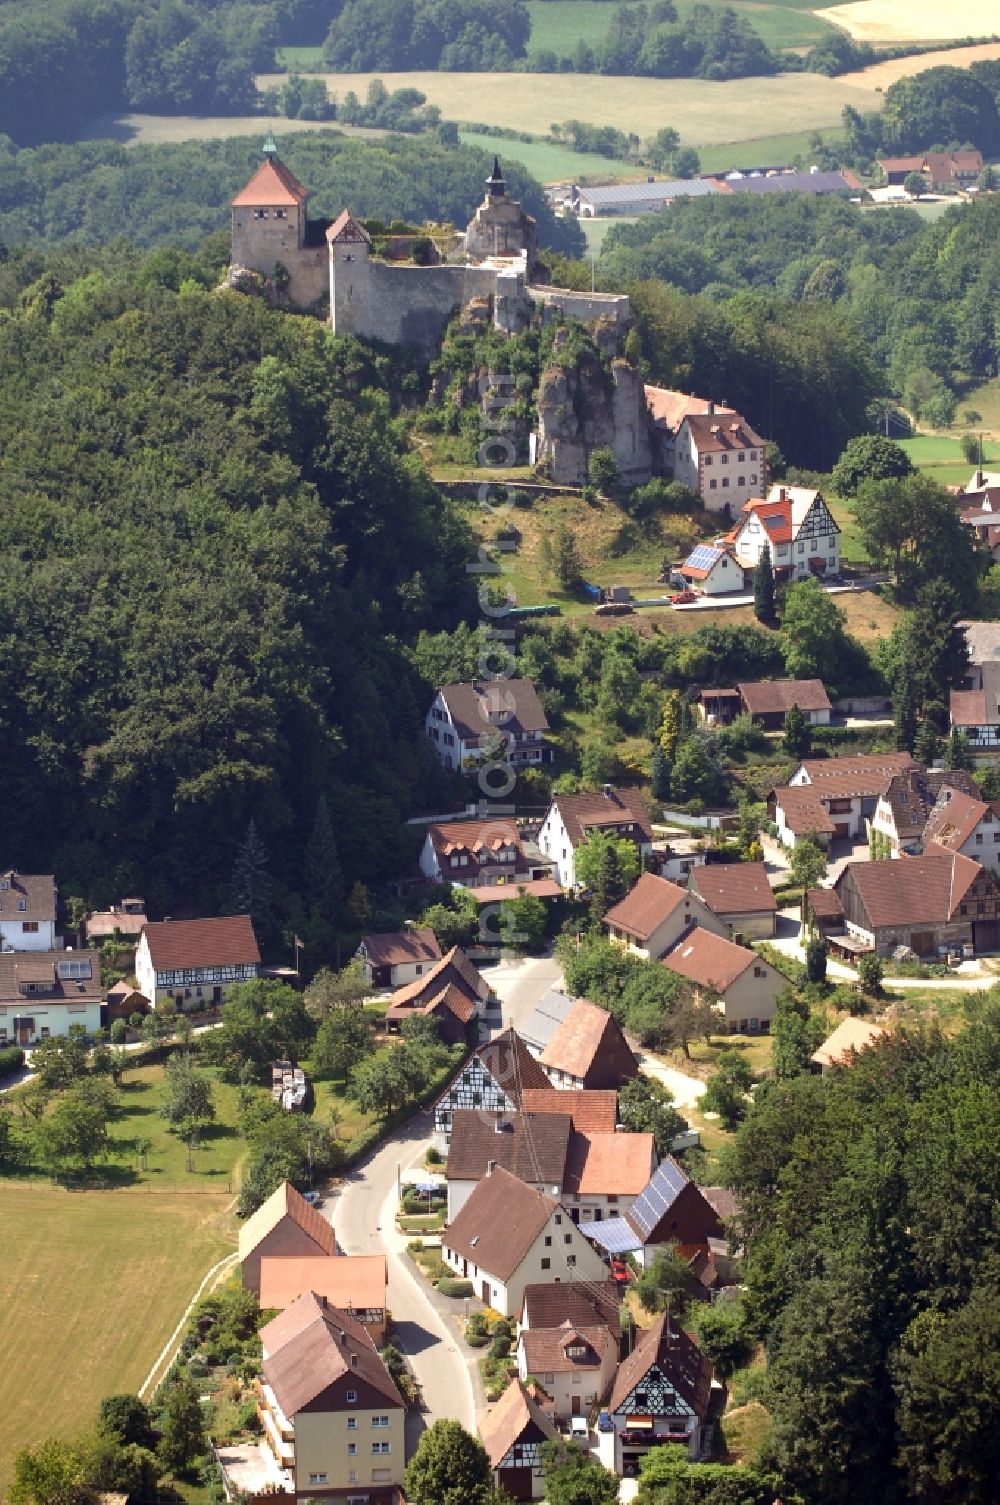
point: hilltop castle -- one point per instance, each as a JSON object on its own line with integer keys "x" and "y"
{"x": 315, "y": 261}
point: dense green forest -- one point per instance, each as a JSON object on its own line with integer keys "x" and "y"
{"x": 175, "y": 195}
{"x": 921, "y": 295}
{"x": 205, "y": 503}
{"x": 869, "y": 1207}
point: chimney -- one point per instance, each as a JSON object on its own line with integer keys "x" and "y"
{"x": 354, "y": 1361}
{"x": 607, "y": 790}
{"x": 491, "y": 1166}
{"x": 782, "y": 494}
{"x": 711, "y": 409}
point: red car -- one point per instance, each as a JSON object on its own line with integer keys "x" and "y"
{"x": 620, "y": 1271}
{"x": 683, "y": 598}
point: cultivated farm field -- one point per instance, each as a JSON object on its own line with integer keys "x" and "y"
{"x": 95, "y": 1283}
{"x": 915, "y": 20}
{"x": 560, "y": 25}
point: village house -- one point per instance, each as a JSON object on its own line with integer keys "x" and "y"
{"x": 576, "y": 1363}
{"x": 655, "y": 913}
{"x": 513, "y": 1434}
{"x": 122, "y": 922}
{"x": 940, "y": 902}
{"x": 508, "y": 1236}
{"x": 595, "y": 1175}
{"x": 284, "y": 1226}
{"x": 847, "y": 1041}
{"x": 739, "y": 897}
{"x": 549, "y": 1013}
{"x": 124, "y": 1001}
{"x": 192, "y": 964}
{"x": 397, "y": 957}
{"x": 834, "y": 797}
{"x": 46, "y": 994}
{"x": 796, "y": 525}
{"x": 670, "y": 1209}
{"x": 662, "y": 1394}
{"x": 957, "y": 169}
{"x": 571, "y": 818}
{"x": 489, "y": 858}
{"x": 590, "y": 1111}
{"x": 28, "y": 912}
{"x": 746, "y": 984}
{"x": 494, "y": 1079}
{"x": 901, "y": 813}
{"x": 452, "y": 991}
{"x": 707, "y": 447}
{"x": 961, "y": 822}
{"x": 465, "y": 719}
{"x": 767, "y": 701}
{"x": 588, "y": 1049}
{"x": 585, "y": 1303}
{"x": 331, "y": 1414}
{"x": 977, "y": 712}
{"x": 356, "y": 1283}
{"x": 712, "y": 570}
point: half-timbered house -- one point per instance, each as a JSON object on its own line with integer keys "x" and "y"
{"x": 493, "y": 1079}
{"x": 662, "y": 1393}
{"x": 513, "y": 1434}
{"x": 797, "y": 526}
{"x": 940, "y": 902}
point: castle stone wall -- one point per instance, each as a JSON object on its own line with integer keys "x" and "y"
{"x": 261, "y": 243}
{"x": 563, "y": 303}
{"x": 401, "y": 305}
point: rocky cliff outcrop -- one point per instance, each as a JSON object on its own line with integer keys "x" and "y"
{"x": 584, "y": 408}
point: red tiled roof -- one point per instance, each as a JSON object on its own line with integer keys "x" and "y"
{"x": 532, "y": 1146}
{"x": 649, "y": 902}
{"x": 518, "y": 1410}
{"x": 591, "y": 1303}
{"x": 492, "y": 893}
{"x": 708, "y": 960}
{"x": 286, "y": 1202}
{"x": 954, "y": 820}
{"x": 227, "y": 941}
{"x": 767, "y": 697}
{"x": 504, "y": 1217}
{"x": 715, "y": 432}
{"x": 678, "y": 1358}
{"x": 849, "y": 1038}
{"x": 734, "y": 888}
{"x": 546, "y": 1349}
{"x": 803, "y": 810}
{"x": 669, "y": 408}
{"x": 453, "y": 982}
{"x": 592, "y": 1110}
{"x": 587, "y": 1038}
{"x": 346, "y": 228}
{"x": 311, "y": 1346}
{"x": 351, "y": 1281}
{"x": 868, "y": 774}
{"x": 824, "y": 903}
{"x": 41, "y": 969}
{"x": 272, "y": 184}
{"x": 774, "y": 517}
{"x": 609, "y": 1164}
{"x": 582, "y": 813}
{"x": 913, "y": 891}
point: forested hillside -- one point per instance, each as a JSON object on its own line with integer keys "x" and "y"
{"x": 205, "y": 504}
{"x": 175, "y": 195}
{"x": 922, "y": 295}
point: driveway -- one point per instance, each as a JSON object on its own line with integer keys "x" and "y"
{"x": 686, "y": 1089}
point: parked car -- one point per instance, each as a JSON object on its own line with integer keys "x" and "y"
{"x": 620, "y": 1271}
{"x": 604, "y": 1422}
{"x": 683, "y": 598}
{"x": 313, "y": 1198}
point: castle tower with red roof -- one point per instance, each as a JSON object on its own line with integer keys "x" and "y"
{"x": 272, "y": 234}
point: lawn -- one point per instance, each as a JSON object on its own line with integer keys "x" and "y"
{"x": 941, "y": 457}
{"x": 551, "y": 164}
{"x": 220, "y": 1144}
{"x": 96, "y": 1282}
{"x": 986, "y": 401}
{"x": 760, "y": 151}
{"x": 300, "y": 59}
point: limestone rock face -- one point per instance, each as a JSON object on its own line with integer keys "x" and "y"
{"x": 581, "y": 410}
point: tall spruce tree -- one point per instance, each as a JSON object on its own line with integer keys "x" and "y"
{"x": 659, "y": 774}
{"x": 905, "y": 710}
{"x": 763, "y": 587}
{"x": 322, "y": 871}
{"x": 798, "y": 738}
{"x": 251, "y": 881}
{"x": 926, "y": 743}
{"x": 958, "y": 753}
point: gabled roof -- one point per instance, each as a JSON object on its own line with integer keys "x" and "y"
{"x": 709, "y": 961}
{"x": 272, "y": 184}
{"x": 913, "y": 891}
{"x": 346, "y": 230}
{"x": 715, "y": 433}
{"x": 803, "y": 810}
{"x": 968, "y": 708}
{"x": 351, "y": 1281}
{"x": 532, "y": 1146}
{"x": 592, "y": 1110}
{"x": 768, "y": 697}
{"x": 227, "y": 941}
{"x": 911, "y": 796}
{"x": 52, "y": 973}
{"x": 955, "y": 818}
{"x": 668, "y": 408}
{"x": 865, "y": 775}
{"x": 590, "y": 1043}
{"x": 702, "y": 561}
{"x": 453, "y": 983}
{"x": 849, "y": 1038}
{"x": 310, "y": 1346}
{"x": 499, "y": 1223}
{"x": 36, "y": 891}
{"x": 394, "y": 948}
{"x": 583, "y": 813}
{"x": 512, "y": 1066}
{"x": 507, "y": 705}
{"x": 482, "y": 839}
{"x": 824, "y": 904}
{"x": 783, "y": 513}
{"x": 286, "y": 1202}
{"x": 649, "y": 902}
{"x": 668, "y": 1348}
{"x": 545, "y": 1018}
{"x": 547, "y": 1349}
{"x": 734, "y": 888}
{"x": 609, "y": 1164}
{"x": 518, "y": 1410}
{"x": 657, "y": 1197}
{"x": 982, "y": 638}
{"x": 587, "y": 1303}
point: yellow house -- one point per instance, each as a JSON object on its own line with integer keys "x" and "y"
{"x": 746, "y": 984}
{"x": 331, "y": 1414}
{"x": 654, "y": 914}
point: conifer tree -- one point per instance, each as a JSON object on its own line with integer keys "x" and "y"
{"x": 797, "y": 736}
{"x": 905, "y": 711}
{"x": 763, "y": 587}
{"x": 958, "y": 753}
{"x": 251, "y": 881}
{"x": 926, "y": 743}
{"x": 322, "y": 871}
{"x": 659, "y": 774}
{"x": 670, "y": 724}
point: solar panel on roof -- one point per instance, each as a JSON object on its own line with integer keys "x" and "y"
{"x": 703, "y": 557}
{"x": 659, "y": 1194}
{"x": 613, "y": 1235}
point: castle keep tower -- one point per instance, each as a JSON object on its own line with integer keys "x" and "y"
{"x": 348, "y": 245}
{"x": 500, "y": 227}
{"x": 270, "y": 230}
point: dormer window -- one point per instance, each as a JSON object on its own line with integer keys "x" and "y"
{"x": 22, "y": 904}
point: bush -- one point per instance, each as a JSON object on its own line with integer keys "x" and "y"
{"x": 118, "y": 1031}
{"x": 457, "y": 1288}
{"x": 476, "y": 1339}
{"x": 433, "y": 1156}
{"x": 11, "y": 1060}
{"x": 870, "y": 973}
{"x": 136, "y": 1019}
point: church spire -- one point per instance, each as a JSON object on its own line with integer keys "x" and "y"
{"x": 496, "y": 185}
{"x": 270, "y": 147}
